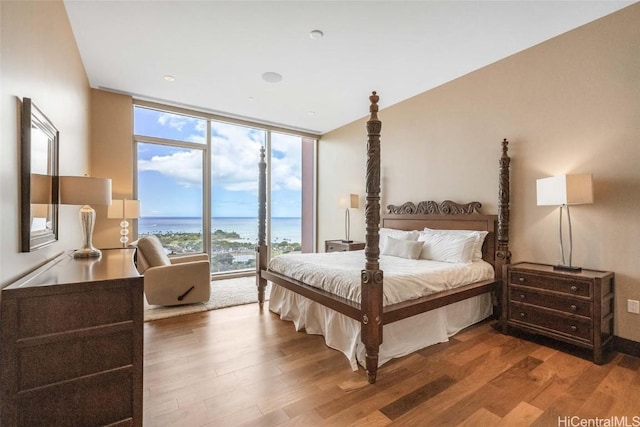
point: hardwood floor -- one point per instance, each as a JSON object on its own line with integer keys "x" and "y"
{"x": 241, "y": 367}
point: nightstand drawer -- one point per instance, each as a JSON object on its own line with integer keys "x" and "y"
{"x": 570, "y": 305}
{"x": 342, "y": 246}
{"x": 567, "y": 286}
{"x": 581, "y": 329}
{"x": 336, "y": 247}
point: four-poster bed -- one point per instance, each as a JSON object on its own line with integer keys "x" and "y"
{"x": 360, "y": 312}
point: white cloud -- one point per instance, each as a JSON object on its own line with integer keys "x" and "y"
{"x": 179, "y": 122}
{"x": 185, "y": 167}
{"x": 234, "y": 158}
{"x": 286, "y": 171}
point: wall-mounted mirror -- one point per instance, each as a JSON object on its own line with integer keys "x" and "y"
{"x": 39, "y": 179}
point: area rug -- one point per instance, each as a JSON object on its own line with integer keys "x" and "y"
{"x": 224, "y": 293}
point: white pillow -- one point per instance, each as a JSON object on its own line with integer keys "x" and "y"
{"x": 447, "y": 247}
{"x": 402, "y": 248}
{"x": 479, "y": 235}
{"x": 396, "y": 234}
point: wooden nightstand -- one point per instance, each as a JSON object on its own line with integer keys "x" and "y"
{"x": 340, "y": 246}
{"x": 576, "y": 308}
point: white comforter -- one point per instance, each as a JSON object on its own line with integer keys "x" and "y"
{"x": 404, "y": 279}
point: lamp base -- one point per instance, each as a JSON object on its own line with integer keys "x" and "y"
{"x": 87, "y": 221}
{"x": 87, "y": 253}
{"x": 570, "y": 268}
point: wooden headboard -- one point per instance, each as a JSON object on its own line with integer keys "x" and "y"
{"x": 449, "y": 222}
{"x": 457, "y": 217}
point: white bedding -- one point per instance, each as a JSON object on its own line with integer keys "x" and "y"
{"x": 404, "y": 279}
{"x": 339, "y": 272}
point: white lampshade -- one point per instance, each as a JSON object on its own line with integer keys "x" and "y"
{"x": 119, "y": 208}
{"x": 85, "y": 190}
{"x": 565, "y": 190}
{"x": 352, "y": 201}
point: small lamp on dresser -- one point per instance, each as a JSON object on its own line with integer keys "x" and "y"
{"x": 565, "y": 190}
{"x": 124, "y": 209}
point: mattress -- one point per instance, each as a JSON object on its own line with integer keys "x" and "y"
{"x": 404, "y": 279}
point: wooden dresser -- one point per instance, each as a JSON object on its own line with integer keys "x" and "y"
{"x": 71, "y": 350}
{"x": 576, "y": 308}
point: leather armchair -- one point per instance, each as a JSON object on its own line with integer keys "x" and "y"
{"x": 174, "y": 280}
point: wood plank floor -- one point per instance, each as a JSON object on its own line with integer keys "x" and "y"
{"x": 241, "y": 367}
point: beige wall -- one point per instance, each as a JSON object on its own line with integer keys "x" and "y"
{"x": 39, "y": 60}
{"x": 569, "y": 105}
{"x": 112, "y": 157}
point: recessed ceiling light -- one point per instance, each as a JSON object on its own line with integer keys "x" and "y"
{"x": 316, "y": 34}
{"x": 311, "y": 113}
{"x": 169, "y": 78}
{"x": 271, "y": 77}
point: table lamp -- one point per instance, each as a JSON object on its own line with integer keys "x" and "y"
{"x": 563, "y": 191}
{"x": 352, "y": 201}
{"x": 85, "y": 191}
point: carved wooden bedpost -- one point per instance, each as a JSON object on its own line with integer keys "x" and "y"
{"x": 371, "y": 283}
{"x": 261, "y": 249}
{"x": 503, "y": 255}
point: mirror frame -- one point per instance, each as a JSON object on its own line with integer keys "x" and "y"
{"x": 33, "y": 119}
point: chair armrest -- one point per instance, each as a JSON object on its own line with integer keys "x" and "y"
{"x": 163, "y": 284}
{"x": 181, "y": 259}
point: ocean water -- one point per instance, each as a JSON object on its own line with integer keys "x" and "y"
{"x": 247, "y": 228}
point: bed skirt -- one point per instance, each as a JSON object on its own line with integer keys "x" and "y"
{"x": 399, "y": 338}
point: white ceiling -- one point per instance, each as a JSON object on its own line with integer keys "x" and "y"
{"x": 218, "y": 50}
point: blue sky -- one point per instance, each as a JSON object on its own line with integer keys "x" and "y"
{"x": 170, "y": 178}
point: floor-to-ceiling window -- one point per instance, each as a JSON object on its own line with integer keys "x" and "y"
{"x": 235, "y": 152}
{"x": 286, "y": 193}
{"x": 197, "y": 182}
{"x": 170, "y": 163}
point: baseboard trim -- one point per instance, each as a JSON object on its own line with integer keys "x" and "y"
{"x": 626, "y": 346}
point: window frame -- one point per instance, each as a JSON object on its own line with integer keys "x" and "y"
{"x": 206, "y": 148}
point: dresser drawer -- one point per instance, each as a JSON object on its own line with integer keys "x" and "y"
{"x": 96, "y": 400}
{"x": 564, "y": 285}
{"x": 73, "y": 357}
{"x": 567, "y": 304}
{"x": 528, "y": 315}
{"x": 63, "y": 312}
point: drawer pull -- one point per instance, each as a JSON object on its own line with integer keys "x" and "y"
{"x": 574, "y": 288}
{"x": 574, "y": 307}
{"x": 522, "y": 296}
{"x": 574, "y": 328}
{"x": 521, "y": 279}
{"x": 523, "y": 315}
